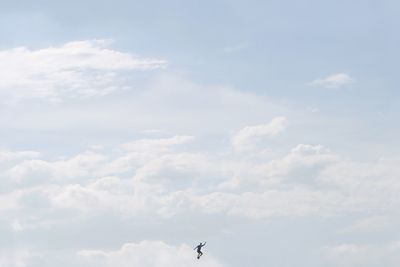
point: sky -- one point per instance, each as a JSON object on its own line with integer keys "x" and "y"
{"x": 133, "y": 130}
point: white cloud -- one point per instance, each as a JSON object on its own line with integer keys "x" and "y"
{"x": 148, "y": 254}
{"x": 334, "y": 81}
{"x": 246, "y": 138}
{"x": 75, "y": 69}
{"x": 162, "y": 181}
{"x": 153, "y": 177}
{"x": 152, "y": 194}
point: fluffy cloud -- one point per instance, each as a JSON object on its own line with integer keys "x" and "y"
{"x": 153, "y": 177}
{"x": 245, "y": 139}
{"x": 147, "y": 254}
{"x": 334, "y": 81}
{"x": 76, "y": 69}
{"x": 158, "y": 178}
{"x": 166, "y": 185}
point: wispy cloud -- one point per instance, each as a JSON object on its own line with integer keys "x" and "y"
{"x": 235, "y": 47}
{"x": 333, "y": 81}
{"x": 75, "y": 69}
{"x": 245, "y": 139}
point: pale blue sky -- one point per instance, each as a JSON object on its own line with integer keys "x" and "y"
{"x": 132, "y": 130}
